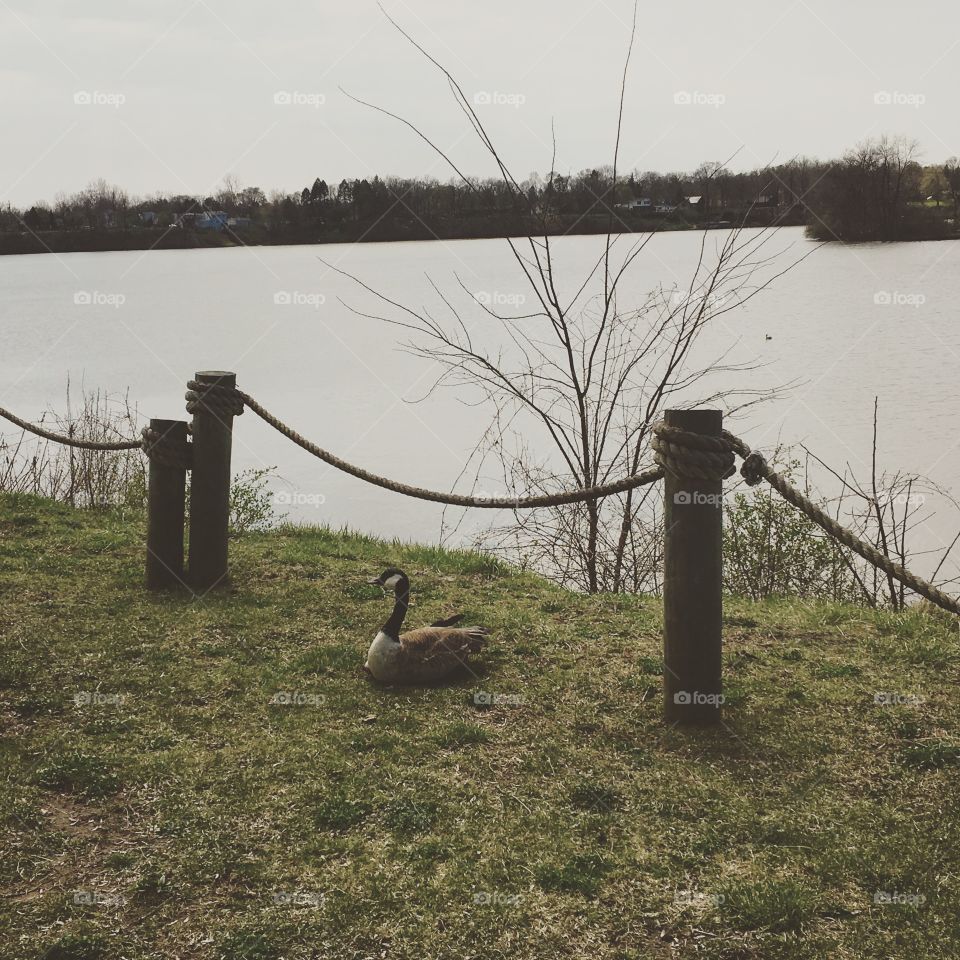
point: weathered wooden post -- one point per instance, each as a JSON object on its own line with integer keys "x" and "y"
{"x": 168, "y": 450}
{"x": 693, "y": 583}
{"x": 210, "y": 485}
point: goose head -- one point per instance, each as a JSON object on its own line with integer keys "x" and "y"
{"x": 391, "y": 579}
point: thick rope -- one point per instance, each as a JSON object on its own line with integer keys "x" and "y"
{"x": 434, "y": 496}
{"x": 683, "y": 454}
{"x": 161, "y": 448}
{"x": 693, "y": 456}
{"x": 214, "y": 398}
{"x": 755, "y": 469}
{"x": 66, "y": 440}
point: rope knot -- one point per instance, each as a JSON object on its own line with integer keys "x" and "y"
{"x": 165, "y": 450}
{"x": 214, "y": 398}
{"x": 754, "y": 469}
{"x": 692, "y": 456}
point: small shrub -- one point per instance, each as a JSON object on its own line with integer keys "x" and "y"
{"x": 771, "y": 549}
{"x": 82, "y": 478}
{"x": 251, "y": 504}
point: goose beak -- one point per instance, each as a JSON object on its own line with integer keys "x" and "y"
{"x": 374, "y": 581}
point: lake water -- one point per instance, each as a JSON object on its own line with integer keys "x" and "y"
{"x": 845, "y": 325}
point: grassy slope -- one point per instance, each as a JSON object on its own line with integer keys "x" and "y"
{"x": 420, "y": 824}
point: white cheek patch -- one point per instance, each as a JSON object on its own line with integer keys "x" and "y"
{"x": 392, "y": 582}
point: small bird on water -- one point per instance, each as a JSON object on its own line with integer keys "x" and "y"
{"x": 425, "y": 655}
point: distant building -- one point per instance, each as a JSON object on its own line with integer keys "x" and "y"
{"x": 239, "y": 223}
{"x": 211, "y": 220}
{"x": 644, "y": 203}
{"x": 148, "y": 217}
{"x": 695, "y": 201}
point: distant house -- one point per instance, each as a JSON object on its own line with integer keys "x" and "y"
{"x": 664, "y": 208}
{"x": 239, "y": 223}
{"x": 211, "y": 220}
{"x": 148, "y": 217}
{"x": 695, "y": 202}
{"x": 644, "y": 203}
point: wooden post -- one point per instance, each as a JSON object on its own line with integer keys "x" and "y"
{"x": 210, "y": 490}
{"x": 166, "y": 494}
{"x": 692, "y": 586}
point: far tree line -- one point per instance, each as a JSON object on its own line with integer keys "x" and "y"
{"x": 877, "y": 191}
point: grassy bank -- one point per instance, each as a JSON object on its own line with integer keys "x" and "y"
{"x": 157, "y": 804}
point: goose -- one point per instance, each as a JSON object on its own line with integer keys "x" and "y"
{"x": 418, "y": 656}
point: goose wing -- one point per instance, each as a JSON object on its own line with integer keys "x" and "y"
{"x": 430, "y": 643}
{"x": 449, "y": 622}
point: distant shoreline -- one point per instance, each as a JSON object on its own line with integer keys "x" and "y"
{"x": 165, "y": 238}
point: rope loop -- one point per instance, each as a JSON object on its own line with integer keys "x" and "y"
{"x": 692, "y": 456}
{"x": 163, "y": 449}
{"x": 214, "y": 398}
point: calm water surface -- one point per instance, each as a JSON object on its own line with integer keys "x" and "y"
{"x": 845, "y": 325}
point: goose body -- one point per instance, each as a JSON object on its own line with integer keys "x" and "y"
{"x": 425, "y": 655}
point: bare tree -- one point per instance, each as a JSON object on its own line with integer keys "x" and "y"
{"x": 587, "y": 372}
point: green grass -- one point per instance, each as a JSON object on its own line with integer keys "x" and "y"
{"x": 156, "y": 803}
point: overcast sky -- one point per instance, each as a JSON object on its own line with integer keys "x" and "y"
{"x": 171, "y": 95}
